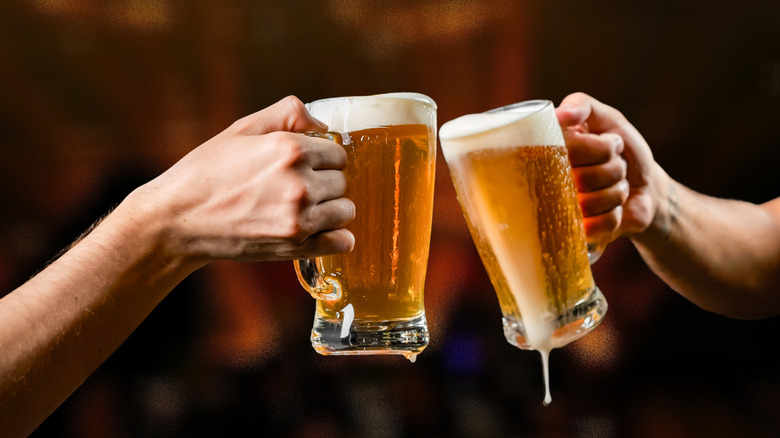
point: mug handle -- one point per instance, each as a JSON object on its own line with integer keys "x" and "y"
{"x": 314, "y": 281}
{"x": 595, "y": 250}
{"x": 310, "y": 272}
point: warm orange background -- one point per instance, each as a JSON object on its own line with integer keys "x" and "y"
{"x": 97, "y": 97}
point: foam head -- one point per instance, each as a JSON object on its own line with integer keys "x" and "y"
{"x": 531, "y": 123}
{"x": 344, "y": 114}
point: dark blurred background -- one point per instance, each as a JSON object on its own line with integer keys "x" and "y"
{"x": 97, "y": 97}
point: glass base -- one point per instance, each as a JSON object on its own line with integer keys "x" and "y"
{"x": 405, "y": 337}
{"x": 573, "y": 324}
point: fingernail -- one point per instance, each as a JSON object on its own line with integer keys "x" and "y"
{"x": 617, "y": 142}
{"x": 625, "y": 188}
{"x": 351, "y": 245}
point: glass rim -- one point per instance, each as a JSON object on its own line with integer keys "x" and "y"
{"x": 409, "y": 96}
{"x": 509, "y": 114}
{"x": 542, "y": 104}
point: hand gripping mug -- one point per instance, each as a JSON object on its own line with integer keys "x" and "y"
{"x": 370, "y": 301}
{"x": 512, "y": 176}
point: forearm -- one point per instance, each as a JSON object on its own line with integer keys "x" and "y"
{"x": 62, "y": 324}
{"x": 257, "y": 191}
{"x": 723, "y": 255}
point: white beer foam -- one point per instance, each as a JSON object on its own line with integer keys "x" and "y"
{"x": 534, "y": 124}
{"x": 361, "y": 112}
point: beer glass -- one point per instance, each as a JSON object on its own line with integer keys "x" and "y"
{"x": 512, "y": 176}
{"x": 370, "y": 301}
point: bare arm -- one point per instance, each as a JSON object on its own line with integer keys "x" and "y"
{"x": 62, "y": 324}
{"x": 723, "y": 255}
{"x": 250, "y": 193}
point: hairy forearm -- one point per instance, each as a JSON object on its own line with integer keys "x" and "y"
{"x": 63, "y": 323}
{"x": 723, "y": 255}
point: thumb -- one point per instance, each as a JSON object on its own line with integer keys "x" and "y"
{"x": 288, "y": 114}
{"x": 582, "y": 109}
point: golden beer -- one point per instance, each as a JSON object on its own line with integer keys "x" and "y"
{"x": 524, "y": 196}
{"x": 512, "y": 176}
{"x": 390, "y": 180}
{"x": 370, "y": 301}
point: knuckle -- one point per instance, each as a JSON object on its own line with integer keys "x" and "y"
{"x": 288, "y": 147}
{"x": 624, "y": 191}
{"x": 290, "y": 225}
{"x": 614, "y": 219}
{"x": 617, "y": 144}
{"x": 614, "y": 196}
{"x": 297, "y": 192}
{"x": 292, "y": 151}
{"x": 609, "y": 222}
{"x": 293, "y": 107}
{"x": 293, "y": 103}
{"x": 603, "y": 149}
{"x": 612, "y": 172}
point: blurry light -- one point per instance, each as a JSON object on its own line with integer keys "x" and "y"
{"x": 163, "y": 400}
{"x": 400, "y": 25}
{"x": 374, "y": 413}
{"x": 143, "y": 15}
{"x": 134, "y": 15}
{"x": 77, "y": 38}
{"x": 464, "y": 353}
{"x": 595, "y": 425}
{"x": 476, "y": 416}
{"x": 58, "y": 7}
{"x": 599, "y": 349}
{"x": 449, "y": 271}
{"x": 244, "y": 333}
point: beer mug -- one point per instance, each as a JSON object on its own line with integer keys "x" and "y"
{"x": 370, "y": 301}
{"x": 513, "y": 180}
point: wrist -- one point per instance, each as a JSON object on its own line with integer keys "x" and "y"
{"x": 147, "y": 231}
{"x": 663, "y": 193}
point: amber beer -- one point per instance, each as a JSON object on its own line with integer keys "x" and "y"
{"x": 370, "y": 301}
{"x": 514, "y": 182}
{"x": 390, "y": 182}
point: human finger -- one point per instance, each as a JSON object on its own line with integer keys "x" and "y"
{"x": 604, "y": 200}
{"x": 328, "y": 215}
{"x": 288, "y": 114}
{"x": 578, "y": 108}
{"x": 600, "y": 176}
{"x": 603, "y": 228}
{"x": 324, "y": 185}
{"x": 590, "y": 149}
{"x": 321, "y": 153}
{"x": 328, "y": 242}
